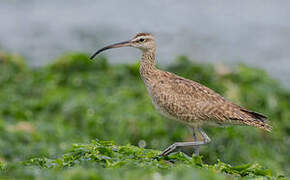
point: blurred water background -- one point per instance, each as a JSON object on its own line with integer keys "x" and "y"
{"x": 249, "y": 31}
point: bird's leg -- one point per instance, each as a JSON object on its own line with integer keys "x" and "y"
{"x": 171, "y": 148}
{"x": 206, "y": 139}
{"x": 196, "y": 148}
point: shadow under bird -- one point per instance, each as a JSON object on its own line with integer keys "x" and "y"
{"x": 184, "y": 100}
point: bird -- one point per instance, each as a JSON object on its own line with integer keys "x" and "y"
{"x": 184, "y": 100}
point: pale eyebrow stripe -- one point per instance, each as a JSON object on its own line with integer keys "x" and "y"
{"x": 145, "y": 37}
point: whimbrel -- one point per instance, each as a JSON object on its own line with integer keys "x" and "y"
{"x": 184, "y": 100}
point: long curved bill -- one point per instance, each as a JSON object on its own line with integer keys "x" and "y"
{"x": 117, "y": 45}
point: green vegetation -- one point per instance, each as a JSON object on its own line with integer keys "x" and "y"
{"x": 43, "y": 111}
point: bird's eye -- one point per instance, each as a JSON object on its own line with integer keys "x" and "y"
{"x": 141, "y": 40}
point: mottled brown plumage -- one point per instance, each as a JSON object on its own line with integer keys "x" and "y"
{"x": 190, "y": 102}
{"x": 184, "y": 100}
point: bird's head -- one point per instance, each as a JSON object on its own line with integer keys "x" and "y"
{"x": 142, "y": 41}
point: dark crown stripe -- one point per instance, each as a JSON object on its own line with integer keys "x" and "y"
{"x": 143, "y": 34}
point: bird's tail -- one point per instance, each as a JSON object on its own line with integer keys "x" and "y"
{"x": 258, "y": 120}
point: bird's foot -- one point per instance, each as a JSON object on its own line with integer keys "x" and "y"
{"x": 176, "y": 145}
{"x": 169, "y": 150}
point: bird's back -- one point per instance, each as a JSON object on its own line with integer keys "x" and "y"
{"x": 196, "y": 105}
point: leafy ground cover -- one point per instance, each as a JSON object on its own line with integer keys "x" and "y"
{"x": 44, "y": 110}
{"x": 106, "y": 155}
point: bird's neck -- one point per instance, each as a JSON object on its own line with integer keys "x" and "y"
{"x": 147, "y": 65}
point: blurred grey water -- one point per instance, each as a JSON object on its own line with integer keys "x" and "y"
{"x": 249, "y": 31}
